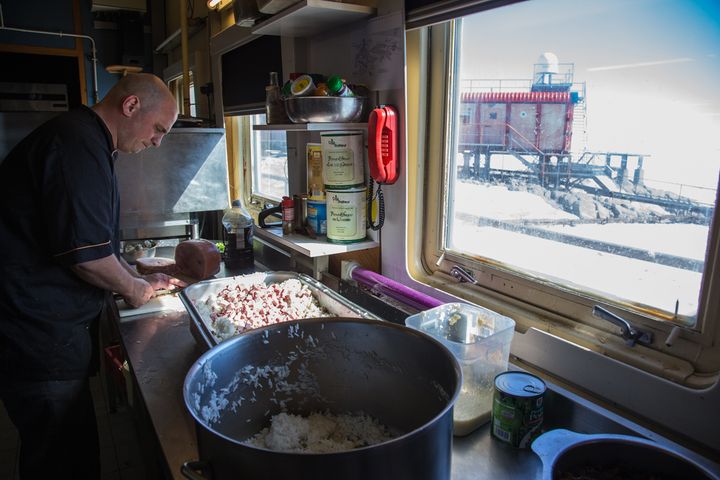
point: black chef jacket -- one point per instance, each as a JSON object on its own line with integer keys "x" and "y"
{"x": 59, "y": 206}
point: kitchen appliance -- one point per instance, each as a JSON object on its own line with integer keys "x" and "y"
{"x": 405, "y": 379}
{"x": 623, "y": 456}
{"x": 160, "y": 187}
{"x": 480, "y": 340}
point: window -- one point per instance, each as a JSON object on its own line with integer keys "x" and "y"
{"x": 581, "y": 167}
{"x": 261, "y": 153}
{"x": 269, "y": 161}
{"x": 176, "y": 87}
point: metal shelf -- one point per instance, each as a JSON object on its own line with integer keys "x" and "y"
{"x": 312, "y": 127}
{"x": 174, "y": 40}
{"x": 309, "y": 17}
{"x": 311, "y": 247}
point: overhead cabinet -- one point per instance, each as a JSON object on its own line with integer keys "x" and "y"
{"x": 310, "y": 17}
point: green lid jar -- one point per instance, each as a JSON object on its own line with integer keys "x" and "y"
{"x": 337, "y": 87}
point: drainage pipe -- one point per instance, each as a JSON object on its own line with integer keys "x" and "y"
{"x": 185, "y": 50}
{"x": 61, "y": 34}
{"x": 381, "y": 284}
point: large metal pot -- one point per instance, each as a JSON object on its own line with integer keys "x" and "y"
{"x": 565, "y": 453}
{"x": 402, "y": 377}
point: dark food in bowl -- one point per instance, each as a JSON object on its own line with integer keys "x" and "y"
{"x": 608, "y": 472}
{"x": 578, "y": 456}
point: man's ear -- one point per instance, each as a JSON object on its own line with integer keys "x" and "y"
{"x": 130, "y": 105}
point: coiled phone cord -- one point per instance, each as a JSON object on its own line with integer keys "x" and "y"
{"x": 381, "y": 206}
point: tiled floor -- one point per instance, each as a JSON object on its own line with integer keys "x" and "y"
{"x": 120, "y": 447}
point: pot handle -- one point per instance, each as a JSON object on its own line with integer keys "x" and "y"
{"x": 196, "y": 470}
{"x": 550, "y": 445}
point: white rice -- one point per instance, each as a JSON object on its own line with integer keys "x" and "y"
{"x": 320, "y": 433}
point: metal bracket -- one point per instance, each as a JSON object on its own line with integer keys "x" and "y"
{"x": 629, "y": 333}
{"x": 463, "y": 274}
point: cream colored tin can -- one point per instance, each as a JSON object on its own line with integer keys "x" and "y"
{"x": 343, "y": 158}
{"x": 346, "y": 214}
{"x": 314, "y": 169}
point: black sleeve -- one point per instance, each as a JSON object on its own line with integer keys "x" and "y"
{"x": 77, "y": 198}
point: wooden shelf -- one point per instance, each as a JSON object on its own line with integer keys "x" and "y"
{"x": 309, "y": 17}
{"x": 318, "y": 247}
{"x": 312, "y": 127}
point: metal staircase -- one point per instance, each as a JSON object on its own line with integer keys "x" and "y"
{"x": 579, "y": 123}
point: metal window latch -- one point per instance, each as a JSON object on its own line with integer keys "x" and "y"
{"x": 463, "y": 274}
{"x": 629, "y": 333}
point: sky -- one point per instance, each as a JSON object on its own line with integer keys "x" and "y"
{"x": 652, "y": 70}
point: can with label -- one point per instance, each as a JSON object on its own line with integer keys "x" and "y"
{"x": 346, "y": 214}
{"x": 517, "y": 412}
{"x": 315, "y": 180}
{"x": 343, "y": 156}
{"x": 317, "y": 215}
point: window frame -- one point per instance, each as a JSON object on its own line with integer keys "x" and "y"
{"x": 244, "y": 132}
{"x": 693, "y": 359}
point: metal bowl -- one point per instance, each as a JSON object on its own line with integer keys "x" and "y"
{"x": 132, "y": 251}
{"x": 567, "y": 454}
{"x": 324, "y": 109}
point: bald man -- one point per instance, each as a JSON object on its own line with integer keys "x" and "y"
{"x": 59, "y": 257}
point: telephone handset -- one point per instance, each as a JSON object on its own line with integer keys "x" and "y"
{"x": 382, "y": 157}
{"x": 382, "y": 145}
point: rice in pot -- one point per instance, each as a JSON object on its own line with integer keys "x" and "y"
{"x": 320, "y": 433}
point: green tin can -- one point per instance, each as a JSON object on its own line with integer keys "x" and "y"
{"x": 517, "y": 413}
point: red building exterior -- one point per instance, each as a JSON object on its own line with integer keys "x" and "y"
{"x": 535, "y": 122}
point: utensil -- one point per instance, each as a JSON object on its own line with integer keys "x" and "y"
{"x": 324, "y": 109}
{"x": 405, "y": 379}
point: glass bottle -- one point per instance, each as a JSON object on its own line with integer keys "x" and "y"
{"x": 274, "y": 106}
{"x": 239, "y": 226}
{"x": 337, "y": 87}
{"x": 288, "y": 215}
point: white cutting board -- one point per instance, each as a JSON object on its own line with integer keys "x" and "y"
{"x": 156, "y": 304}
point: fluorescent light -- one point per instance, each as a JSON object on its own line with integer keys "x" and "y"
{"x": 213, "y": 3}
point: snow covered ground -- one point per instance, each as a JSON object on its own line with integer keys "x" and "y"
{"x": 614, "y": 275}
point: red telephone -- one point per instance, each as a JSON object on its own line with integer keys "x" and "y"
{"x": 382, "y": 145}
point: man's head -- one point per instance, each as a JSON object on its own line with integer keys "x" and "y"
{"x": 139, "y": 110}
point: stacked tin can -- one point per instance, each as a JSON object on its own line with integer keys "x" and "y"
{"x": 343, "y": 156}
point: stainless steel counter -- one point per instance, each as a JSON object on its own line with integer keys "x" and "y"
{"x": 160, "y": 350}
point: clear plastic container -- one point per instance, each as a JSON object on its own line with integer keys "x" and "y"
{"x": 480, "y": 340}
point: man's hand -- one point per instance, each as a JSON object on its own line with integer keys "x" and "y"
{"x": 139, "y": 294}
{"x": 160, "y": 281}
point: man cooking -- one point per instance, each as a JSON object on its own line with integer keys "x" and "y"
{"x": 59, "y": 214}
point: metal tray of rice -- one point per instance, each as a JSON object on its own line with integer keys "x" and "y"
{"x": 224, "y": 307}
